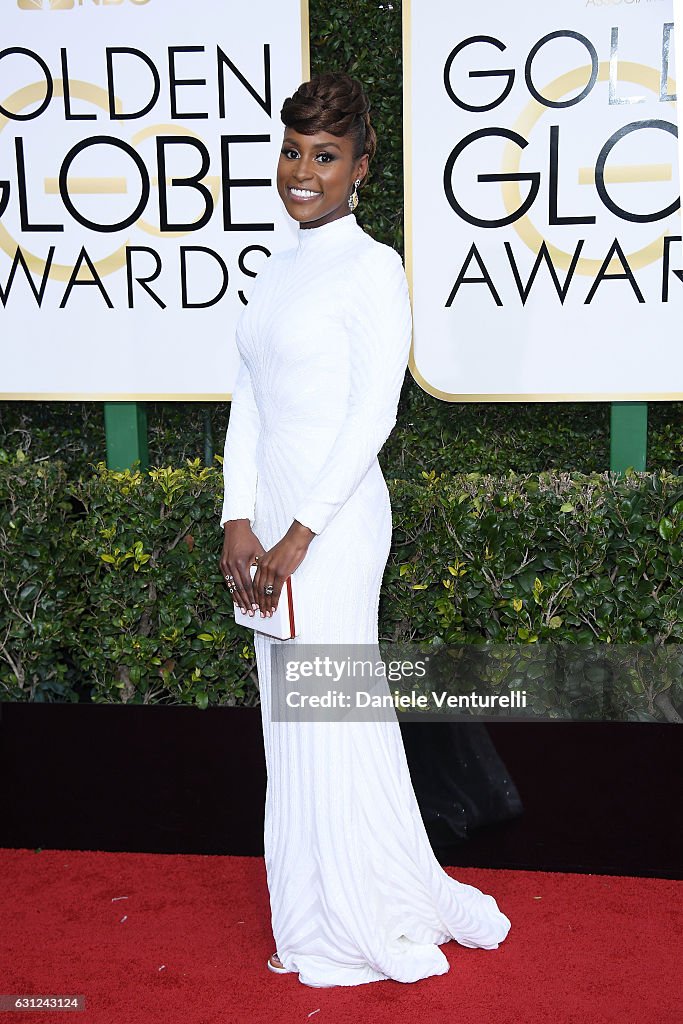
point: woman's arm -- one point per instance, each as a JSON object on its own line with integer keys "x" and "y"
{"x": 240, "y": 544}
{"x": 239, "y": 453}
{"x": 381, "y": 329}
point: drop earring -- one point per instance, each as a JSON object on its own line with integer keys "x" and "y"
{"x": 353, "y": 198}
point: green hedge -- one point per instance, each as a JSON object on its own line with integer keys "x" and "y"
{"x": 111, "y": 590}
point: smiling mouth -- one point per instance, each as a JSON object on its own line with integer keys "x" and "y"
{"x": 304, "y": 194}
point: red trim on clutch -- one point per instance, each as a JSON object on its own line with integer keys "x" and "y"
{"x": 290, "y": 602}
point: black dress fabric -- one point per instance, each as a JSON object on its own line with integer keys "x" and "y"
{"x": 460, "y": 781}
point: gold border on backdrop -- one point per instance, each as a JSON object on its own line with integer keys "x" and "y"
{"x": 120, "y": 396}
{"x": 305, "y": 41}
{"x": 114, "y": 396}
{"x": 110, "y": 396}
{"x": 447, "y": 396}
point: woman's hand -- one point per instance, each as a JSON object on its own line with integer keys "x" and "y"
{"x": 280, "y": 562}
{"x": 240, "y": 548}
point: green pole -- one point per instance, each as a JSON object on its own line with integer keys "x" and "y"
{"x": 208, "y": 437}
{"x": 125, "y": 428}
{"x": 628, "y": 436}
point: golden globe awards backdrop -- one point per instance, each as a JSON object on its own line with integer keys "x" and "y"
{"x": 543, "y": 227}
{"x": 138, "y": 146}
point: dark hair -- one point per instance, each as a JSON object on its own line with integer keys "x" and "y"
{"x": 335, "y": 103}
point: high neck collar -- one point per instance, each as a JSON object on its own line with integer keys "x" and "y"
{"x": 328, "y": 234}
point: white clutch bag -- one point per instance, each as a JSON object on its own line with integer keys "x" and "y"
{"x": 281, "y": 623}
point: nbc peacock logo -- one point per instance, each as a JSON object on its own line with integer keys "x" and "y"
{"x": 39, "y": 5}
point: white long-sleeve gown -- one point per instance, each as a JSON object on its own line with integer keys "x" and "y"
{"x": 356, "y": 892}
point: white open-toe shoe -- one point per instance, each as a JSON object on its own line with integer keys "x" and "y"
{"x": 275, "y": 965}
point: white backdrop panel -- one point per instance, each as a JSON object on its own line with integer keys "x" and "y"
{"x": 115, "y": 339}
{"x": 478, "y": 339}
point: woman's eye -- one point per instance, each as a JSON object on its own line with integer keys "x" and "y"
{"x": 293, "y": 154}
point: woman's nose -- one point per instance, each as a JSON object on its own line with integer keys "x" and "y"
{"x": 303, "y": 170}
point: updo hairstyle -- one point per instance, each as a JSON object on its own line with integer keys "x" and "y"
{"x": 335, "y": 103}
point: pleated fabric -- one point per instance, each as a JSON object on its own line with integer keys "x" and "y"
{"x": 356, "y": 892}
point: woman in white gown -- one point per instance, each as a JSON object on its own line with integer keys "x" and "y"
{"x": 356, "y": 892}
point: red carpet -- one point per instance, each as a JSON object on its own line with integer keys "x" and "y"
{"x": 159, "y": 939}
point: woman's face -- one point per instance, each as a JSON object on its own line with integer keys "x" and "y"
{"x": 315, "y": 176}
